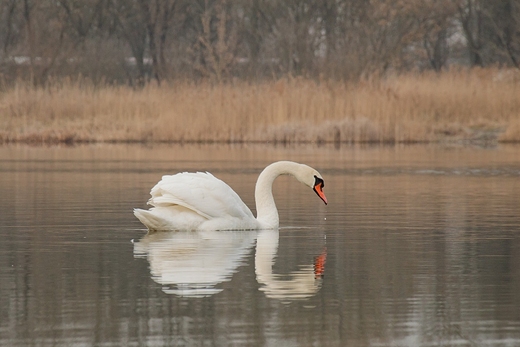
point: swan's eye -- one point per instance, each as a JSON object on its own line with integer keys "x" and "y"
{"x": 318, "y": 181}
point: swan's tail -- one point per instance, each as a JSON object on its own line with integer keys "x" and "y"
{"x": 150, "y": 220}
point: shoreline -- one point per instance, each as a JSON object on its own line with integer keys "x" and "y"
{"x": 490, "y": 138}
{"x": 471, "y": 136}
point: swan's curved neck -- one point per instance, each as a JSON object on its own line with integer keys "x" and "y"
{"x": 267, "y": 214}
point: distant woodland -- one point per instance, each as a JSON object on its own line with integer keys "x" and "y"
{"x": 138, "y": 41}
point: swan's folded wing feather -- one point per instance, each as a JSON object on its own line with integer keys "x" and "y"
{"x": 201, "y": 192}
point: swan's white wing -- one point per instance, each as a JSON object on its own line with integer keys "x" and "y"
{"x": 200, "y": 192}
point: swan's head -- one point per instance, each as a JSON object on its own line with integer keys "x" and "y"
{"x": 312, "y": 178}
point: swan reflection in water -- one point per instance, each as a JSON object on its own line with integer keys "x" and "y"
{"x": 300, "y": 284}
{"x": 193, "y": 263}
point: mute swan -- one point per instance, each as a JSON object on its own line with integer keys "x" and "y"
{"x": 200, "y": 201}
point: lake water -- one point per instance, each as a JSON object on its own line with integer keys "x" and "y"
{"x": 418, "y": 246}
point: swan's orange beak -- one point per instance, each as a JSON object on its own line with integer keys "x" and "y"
{"x": 318, "y": 188}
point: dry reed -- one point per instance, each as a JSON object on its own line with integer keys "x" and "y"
{"x": 456, "y": 105}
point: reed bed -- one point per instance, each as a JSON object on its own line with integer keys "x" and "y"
{"x": 477, "y": 104}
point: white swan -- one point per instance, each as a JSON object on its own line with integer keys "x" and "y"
{"x": 200, "y": 201}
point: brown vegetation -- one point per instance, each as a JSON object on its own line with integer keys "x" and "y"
{"x": 458, "y": 105}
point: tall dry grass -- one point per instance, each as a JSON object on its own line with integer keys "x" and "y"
{"x": 465, "y": 104}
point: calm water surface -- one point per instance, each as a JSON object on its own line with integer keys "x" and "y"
{"x": 419, "y": 246}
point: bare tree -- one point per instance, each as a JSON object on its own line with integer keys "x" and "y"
{"x": 81, "y": 15}
{"x": 132, "y": 28}
{"x": 9, "y": 23}
{"x": 436, "y": 19}
{"x": 470, "y": 13}
{"x": 256, "y": 25}
{"x": 503, "y": 20}
{"x": 28, "y": 16}
{"x": 158, "y": 16}
{"x": 214, "y": 51}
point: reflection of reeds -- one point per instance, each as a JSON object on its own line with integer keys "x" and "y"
{"x": 407, "y": 108}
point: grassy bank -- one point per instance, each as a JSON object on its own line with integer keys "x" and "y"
{"x": 455, "y": 105}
